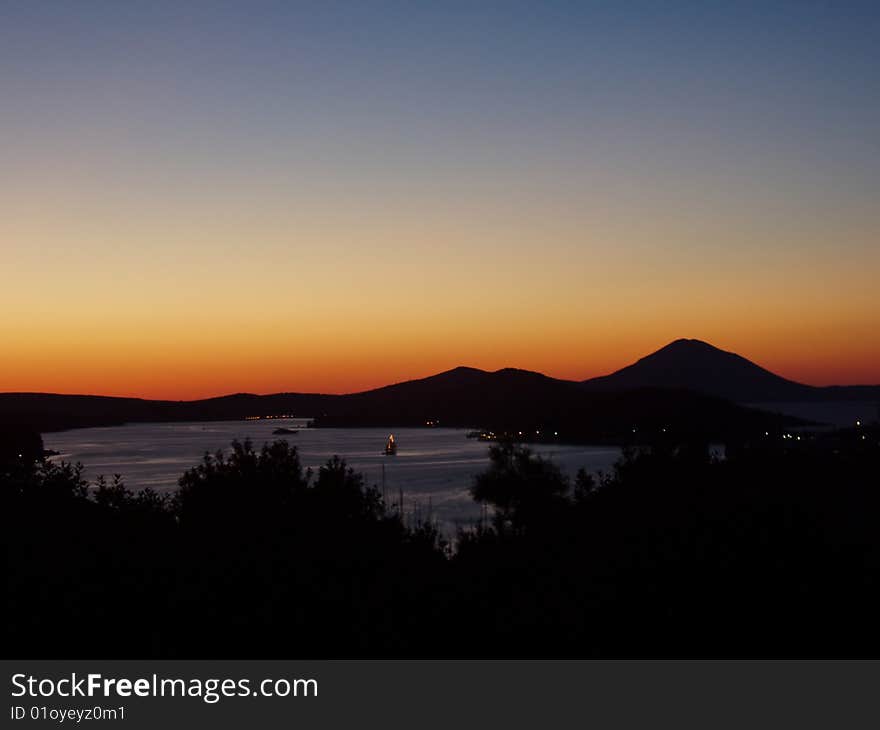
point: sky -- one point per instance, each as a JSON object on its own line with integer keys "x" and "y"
{"x": 205, "y": 198}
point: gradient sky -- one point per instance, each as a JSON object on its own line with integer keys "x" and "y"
{"x": 202, "y": 198}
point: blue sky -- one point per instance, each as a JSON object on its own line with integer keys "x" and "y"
{"x": 720, "y": 160}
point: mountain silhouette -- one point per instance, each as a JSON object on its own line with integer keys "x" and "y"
{"x": 688, "y": 382}
{"x": 523, "y": 403}
{"x": 701, "y": 367}
{"x": 462, "y": 396}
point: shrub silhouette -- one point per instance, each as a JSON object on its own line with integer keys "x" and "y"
{"x": 772, "y": 552}
{"x": 240, "y": 488}
{"x": 522, "y": 487}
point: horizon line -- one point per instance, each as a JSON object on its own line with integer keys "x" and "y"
{"x": 416, "y": 379}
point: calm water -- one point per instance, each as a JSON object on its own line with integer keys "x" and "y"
{"x": 436, "y": 463}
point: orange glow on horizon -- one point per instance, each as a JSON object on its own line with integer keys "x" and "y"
{"x": 186, "y": 373}
{"x": 188, "y": 209}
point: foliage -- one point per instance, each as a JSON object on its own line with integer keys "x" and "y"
{"x": 523, "y": 488}
{"x": 773, "y": 551}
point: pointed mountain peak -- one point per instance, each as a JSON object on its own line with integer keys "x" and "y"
{"x": 693, "y": 347}
{"x": 697, "y": 365}
{"x": 686, "y": 343}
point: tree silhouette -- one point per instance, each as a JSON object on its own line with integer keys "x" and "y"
{"x": 773, "y": 551}
{"x": 522, "y": 487}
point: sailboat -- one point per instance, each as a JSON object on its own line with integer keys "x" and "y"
{"x": 390, "y": 446}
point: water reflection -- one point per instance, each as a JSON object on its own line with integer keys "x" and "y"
{"x": 435, "y": 463}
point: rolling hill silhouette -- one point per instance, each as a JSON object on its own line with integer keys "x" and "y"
{"x": 699, "y": 366}
{"x": 688, "y": 383}
{"x": 508, "y": 400}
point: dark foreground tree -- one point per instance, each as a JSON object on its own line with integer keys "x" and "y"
{"x": 253, "y": 557}
{"x": 774, "y": 551}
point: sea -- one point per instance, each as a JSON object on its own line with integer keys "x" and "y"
{"x": 433, "y": 468}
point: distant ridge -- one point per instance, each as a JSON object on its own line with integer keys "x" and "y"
{"x": 701, "y": 367}
{"x": 688, "y": 382}
{"x": 519, "y": 402}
